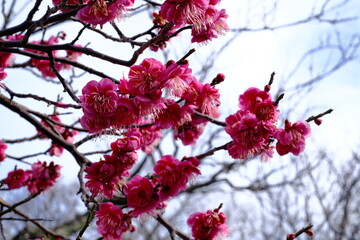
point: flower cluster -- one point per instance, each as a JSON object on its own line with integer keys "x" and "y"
{"x": 150, "y": 93}
{"x": 99, "y": 12}
{"x": 67, "y": 135}
{"x": 112, "y": 222}
{"x": 208, "y": 225}
{"x": 3, "y": 74}
{"x": 3, "y": 147}
{"x": 40, "y": 177}
{"x": 44, "y": 65}
{"x": 208, "y": 22}
{"x": 253, "y": 128}
{"x": 144, "y": 195}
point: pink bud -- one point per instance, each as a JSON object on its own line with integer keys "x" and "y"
{"x": 218, "y": 79}
{"x": 317, "y": 121}
{"x": 310, "y": 232}
{"x": 267, "y": 88}
{"x": 290, "y": 236}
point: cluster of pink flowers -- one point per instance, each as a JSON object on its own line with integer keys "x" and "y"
{"x": 112, "y": 222}
{"x": 3, "y": 147}
{"x": 7, "y": 58}
{"x": 40, "y": 177}
{"x": 99, "y": 12}
{"x": 144, "y": 195}
{"x": 67, "y": 135}
{"x": 208, "y": 22}
{"x": 253, "y": 128}
{"x": 3, "y": 74}
{"x": 44, "y": 65}
{"x": 150, "y": 93}
{"x": 208, "y": 225}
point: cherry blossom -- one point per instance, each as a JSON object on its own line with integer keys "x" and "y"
{"x": 16, "y": 178}
{"x": 215, "y": 24}
{"x": 292, "y": 138}
{"x": 112, "y": 222}
{"x": 3, "y": 74}
{"x": 3, "y": 147}
{"x": 181, "y": 12}
{"x": 208, "y": 225}
{"x": 172, "y": 175}
{"x": 141, "y": 196}
{"x": 99, "y": 12}
{"x": 42, "y": 176}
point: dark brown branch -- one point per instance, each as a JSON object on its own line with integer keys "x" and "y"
{"x": 25, "y": 113}
{"x": 172, "y": 230}
{"x": 319, "y": 115}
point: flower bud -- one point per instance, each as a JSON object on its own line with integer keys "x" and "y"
{"x": 290, "y": 236}
{"x": 310, "y": 232}
{"x": 318, "y": 121}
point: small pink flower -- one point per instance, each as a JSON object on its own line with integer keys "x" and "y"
{"x": 99, "y": 98}
{"x": 103, "y": 176}
{"x": 178, "y": 78}
{"x": 174, "y": 115}
{"x": 146, "y": 77}
{"x": 100, "y": 12}
{"x": 215, "y": 24}
{"x": 260, "y": 103}
{"x": 3, "y": 147}
{"x": 250, "y": 136}
{"x": 124, "y": 162}
{"x": 208, "y": 225}
{"x": 151, "y": 137}
{"x": 94, "y": 124}
{"x": 292, "y": 138}
{"x": 131, "y": 141}
{"x": 172, "y": 175}
{"x": 16, "y": 178}
{"x": 127, "y": 113}
{"x": 181, "y": 12}
{"x": 208, "y": 101}
{"x": 3, "y": 74}
{"x": 189, "y": 132}
{"x": 112, "y": 222}
{"x": 42, "y": 176}
{"x": 141, "y": 196}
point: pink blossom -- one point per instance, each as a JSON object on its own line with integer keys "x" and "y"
{"x": 16, "y": 178}
{"x": 178, "y": 78}
{"x": 151, "y": 137}
{"x": 131, "y": 141}
{"x": 126, "y": 113}
{"x": 3, "y": 74}
{"x": 189, "y": 132}
{"x": 215, "y": 24}
{"x": 181, "y": 12}
{"x": 124, "y": 162}
{"x": 208, "y": 101}
{"x": 100, "y": 12}
{"x": 292, "y": 138}
{"x": 174, "y": 115}
{"x": 42, "y": 176}
{"x": 103, "y": 176}
{"x": 112, "y": 222}
{"x": 94, "y": 124}
{"x": 249, "y": 135}
{"x": 3, "y": 147}
{"x": 150, "y": 104}
{"x": 260, "y": 103}
{"x": 141, "y": 196}
{"x": 208, "y": 225}
{"x": 146, "y": 77}
{"x": 172, "y": 175}
{"x": 99, "y": 98}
